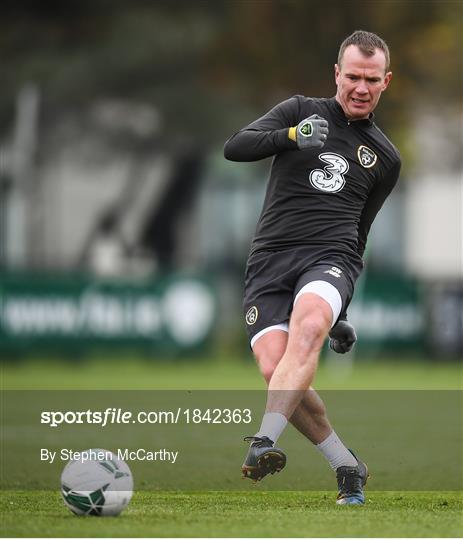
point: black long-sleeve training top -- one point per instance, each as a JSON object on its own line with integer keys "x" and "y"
{"x": 322, "y": 198}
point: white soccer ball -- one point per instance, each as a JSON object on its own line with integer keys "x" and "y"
{"x": 97, "y": 484}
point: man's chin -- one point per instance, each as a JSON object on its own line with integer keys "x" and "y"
{"x": 359, "y": 115}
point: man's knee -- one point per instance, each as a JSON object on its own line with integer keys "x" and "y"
{"x": 268, "y": 352}
{"x": 267, "y": 360}
{"x": 310, "y": 327}
{"x": 310, "y": 332}
{"x": 267, "y": 367}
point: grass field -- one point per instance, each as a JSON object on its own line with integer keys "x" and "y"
{"x": 220, "y": 374}
{"x": 221, "y": 514}
{"x": 256, "y": 512}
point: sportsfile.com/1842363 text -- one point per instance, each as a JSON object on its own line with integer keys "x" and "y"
{"x": 114, "y": 415}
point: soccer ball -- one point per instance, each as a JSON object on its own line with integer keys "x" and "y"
{"x": 97, "y": 484}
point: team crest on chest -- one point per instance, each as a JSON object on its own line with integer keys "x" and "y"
{"x": 367, "y": 157}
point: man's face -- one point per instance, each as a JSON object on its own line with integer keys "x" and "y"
{"x": 360, "y": 80}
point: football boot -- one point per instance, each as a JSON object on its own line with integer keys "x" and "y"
{"x": 351, "y": 481}
{"x": 262, "y": 459}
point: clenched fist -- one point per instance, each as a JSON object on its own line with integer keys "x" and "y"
{"x": 310, "y": 133}
{"x": 342, "y": 337}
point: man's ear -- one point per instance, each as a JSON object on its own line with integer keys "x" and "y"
{"x": 337, "y": 72}
{"x": 387, "y": 80}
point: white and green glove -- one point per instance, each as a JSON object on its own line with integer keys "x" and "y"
{"x": 310, "y": 133}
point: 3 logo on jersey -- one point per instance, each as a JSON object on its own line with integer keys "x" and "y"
{"x": 330, "y": 178}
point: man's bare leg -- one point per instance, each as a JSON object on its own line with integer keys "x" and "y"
{"x": 290, "y": 397}
{"x": 309, "y": 325}
{"x": 310, "y": 417}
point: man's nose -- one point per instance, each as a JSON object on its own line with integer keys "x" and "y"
{"x": 362, "y": 87}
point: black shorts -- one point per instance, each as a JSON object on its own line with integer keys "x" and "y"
{"x": 274, "y": 278}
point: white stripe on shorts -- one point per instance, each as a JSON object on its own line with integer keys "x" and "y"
{"x": 282, "y": 326}
{"x": 328, "y": 292}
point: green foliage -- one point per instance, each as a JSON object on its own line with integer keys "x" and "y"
{"x": 200, "y": 62}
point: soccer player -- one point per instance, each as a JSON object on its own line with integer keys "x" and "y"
{"x": 332, "y": 171}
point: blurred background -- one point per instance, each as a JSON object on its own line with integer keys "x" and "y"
{"x": 123, "y": 228}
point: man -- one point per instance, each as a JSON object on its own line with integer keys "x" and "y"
{"x": 332, "y": 171}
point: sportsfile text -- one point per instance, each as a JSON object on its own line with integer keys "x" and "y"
{"x": 114, "y": 415}
{"x": 110, "y": 415}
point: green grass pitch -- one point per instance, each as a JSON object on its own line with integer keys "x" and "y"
{"x": 251, "y": 513}
{"x": 125, "y": 372}
{"x": 238, "y": 514}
